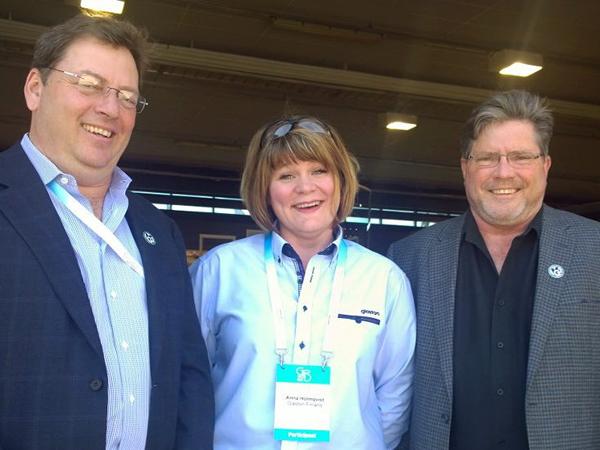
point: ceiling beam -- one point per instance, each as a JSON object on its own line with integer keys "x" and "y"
{"x": 199, "y": 59}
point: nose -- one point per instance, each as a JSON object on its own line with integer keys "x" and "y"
{"x": 304, "y": 183}
{"x": 504, "y": 169}
{"x": 108, "y": 104}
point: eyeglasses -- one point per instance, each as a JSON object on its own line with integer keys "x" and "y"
{"x": 515, "y": 159}
{"x": 284, "y": 127}
{"x": 93, "y": 85}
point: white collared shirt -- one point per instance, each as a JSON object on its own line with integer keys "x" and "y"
{"x": 117, "y": 299}
{"x": 374, "y": 337}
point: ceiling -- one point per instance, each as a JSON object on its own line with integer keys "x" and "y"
{"x": 223, "y": 68}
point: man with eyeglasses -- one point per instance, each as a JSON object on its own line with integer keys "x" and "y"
{"x": 100, "y": 347}
{"x": 508, "y": 300}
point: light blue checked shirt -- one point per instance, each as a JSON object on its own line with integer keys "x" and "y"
{"x": 372, "y": 363}
{"x": 118, "y": 300}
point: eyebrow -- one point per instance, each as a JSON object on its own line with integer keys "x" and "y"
{"x": 105, "y": 81}
{"x": 523, "y": 150}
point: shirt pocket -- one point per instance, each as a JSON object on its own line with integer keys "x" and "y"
{"x": 357, "y": 337}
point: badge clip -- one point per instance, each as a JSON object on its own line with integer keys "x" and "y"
{"x": 281, "y": 352}
{"x": 325, "y": 357}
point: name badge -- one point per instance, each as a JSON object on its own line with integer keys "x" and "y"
{"x": 302, "y": 403}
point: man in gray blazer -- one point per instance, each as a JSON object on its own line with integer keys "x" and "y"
{"x": 508, "y": 300}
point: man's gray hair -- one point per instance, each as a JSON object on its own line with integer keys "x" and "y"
{"x": 509, "y": 105}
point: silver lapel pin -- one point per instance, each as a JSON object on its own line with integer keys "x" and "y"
{"x": 556, "y": 271}
{"x": 149, "y": 238}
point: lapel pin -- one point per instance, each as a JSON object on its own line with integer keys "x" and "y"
{"x": 149, "y": 238}
{"x": 556, "y": 271}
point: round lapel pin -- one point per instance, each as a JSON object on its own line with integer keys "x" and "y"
{"x": 556, "y": 271}
{"x": 149, "y": 238}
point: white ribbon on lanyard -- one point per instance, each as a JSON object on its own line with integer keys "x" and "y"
{"x": 96, "y": 226}
{"x": 277, "y": 303}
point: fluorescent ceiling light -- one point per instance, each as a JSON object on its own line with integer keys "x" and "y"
{"x": 400, "y": 125}
{"x": 519, "y": 69}
{"x": 111, "y": 6}
{"x": 516, "y": 63}
{"x": 402, "y": 122}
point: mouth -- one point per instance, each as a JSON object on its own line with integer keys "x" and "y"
{"x": 504, "y": 191}
{"x": 308, "y": 205}
{"x": 98, "y": 131}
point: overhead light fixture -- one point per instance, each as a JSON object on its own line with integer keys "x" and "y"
{"x": 398, "y": 121}
{"x": 111, "y": 6}
{"x": 516, "y": 63}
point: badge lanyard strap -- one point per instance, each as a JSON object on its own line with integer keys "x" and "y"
{"x": 277, "y": 303}
{"x": 96, "y": 226}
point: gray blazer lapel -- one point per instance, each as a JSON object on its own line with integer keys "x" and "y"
{"x": 443, "y": 266}
{"x": 24, "y": 202}
{"x": 556, "y": 247}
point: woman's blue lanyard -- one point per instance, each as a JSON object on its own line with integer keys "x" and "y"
{"x": 275, "y": 295}
{"x": 96, "y": 226}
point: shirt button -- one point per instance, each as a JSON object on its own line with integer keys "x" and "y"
{"x": 113, "y": 294}
{"x": 304, "y": 308}
{"x": 302, "y": 346}
{"x": 63, "y": 180}
{"x": 501, "y": 302}
{"x": 500, "y": 344}
{"x": 445, "y": 418}
{"x": 96, "y": 384}
{"x": 131, "y": 398}
{"x": 125, "y": 345}
{"x": 500, "y": 391}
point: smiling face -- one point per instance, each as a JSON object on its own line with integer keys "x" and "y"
{"x": 304, "y": 199}
{"x": 84, "y": 135}
{"x": 504, "y": 196}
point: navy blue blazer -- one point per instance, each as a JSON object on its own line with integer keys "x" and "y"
{"x": 53, "y": 380}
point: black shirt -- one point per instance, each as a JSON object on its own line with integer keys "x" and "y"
{"x": 492, "y": 319}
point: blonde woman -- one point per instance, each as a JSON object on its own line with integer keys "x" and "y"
{"x": 310, "y": 336}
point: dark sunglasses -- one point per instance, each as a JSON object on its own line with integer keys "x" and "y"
{"x": 284, "y": 127}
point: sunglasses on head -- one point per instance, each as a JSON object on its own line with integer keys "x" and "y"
{"x": 284, "y": 127}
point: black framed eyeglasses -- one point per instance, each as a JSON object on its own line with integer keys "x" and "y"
{"x": 93, "y": 85}
{"x": 283, "y": 127}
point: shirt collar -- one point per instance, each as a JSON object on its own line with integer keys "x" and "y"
{"x": 48, "y": 171}
{"x": 280, "y": 245}
{"x": 536, "y": 223}
{"x": 472, "y": 234}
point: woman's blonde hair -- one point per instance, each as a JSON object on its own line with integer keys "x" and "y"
{"x": 306, "y": 139}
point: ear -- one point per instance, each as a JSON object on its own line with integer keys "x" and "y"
{"x": 547, "y": 164}
{"x": 463, "y": 167}
{"x": 33, "y": 88}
